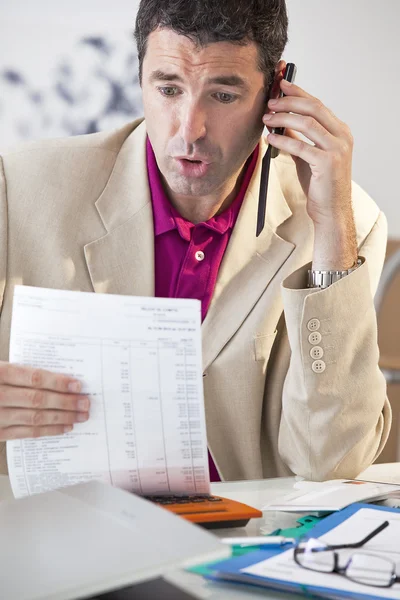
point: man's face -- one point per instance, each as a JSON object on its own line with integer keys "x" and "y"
{"x": 203, "y": 110}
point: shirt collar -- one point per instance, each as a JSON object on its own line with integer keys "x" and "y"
{"x": 167, "y": 218}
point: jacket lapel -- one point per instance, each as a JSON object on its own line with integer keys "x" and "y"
{"x": 122, "y": 261}
{"x": 248, "y": 266}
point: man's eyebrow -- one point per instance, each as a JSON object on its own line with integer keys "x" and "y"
{"x": 159, "y": 75}
{"x": 229, "y": 80}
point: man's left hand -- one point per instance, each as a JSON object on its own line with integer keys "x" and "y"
{"x": 323, "y": 168}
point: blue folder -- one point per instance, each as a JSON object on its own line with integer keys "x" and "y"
{"x": 229, "y": 569}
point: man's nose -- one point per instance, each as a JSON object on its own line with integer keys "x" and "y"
{"x": 192, "y": 123}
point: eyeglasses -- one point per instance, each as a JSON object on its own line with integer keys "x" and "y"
{"x": 367, "y": 569}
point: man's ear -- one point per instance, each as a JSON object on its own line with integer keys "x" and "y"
{"x": 278, "y": 76}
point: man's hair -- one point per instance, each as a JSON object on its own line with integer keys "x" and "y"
{"x": 264, "y": 22}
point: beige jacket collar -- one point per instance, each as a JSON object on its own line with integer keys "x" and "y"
{"x": 122, "y": 261}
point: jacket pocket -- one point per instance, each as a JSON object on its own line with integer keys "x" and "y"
{"x": 263, "y": 345}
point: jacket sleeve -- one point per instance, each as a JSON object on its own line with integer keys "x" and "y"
{"x": 335, "y": 414}
{"x": 3, "y": 233}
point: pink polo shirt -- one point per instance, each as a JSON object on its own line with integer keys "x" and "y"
{"x": 188, "y": 256}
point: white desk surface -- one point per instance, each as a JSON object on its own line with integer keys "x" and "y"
{"x": 255, "y": 493}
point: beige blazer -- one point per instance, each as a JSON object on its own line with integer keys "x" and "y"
{"x": 76, "y": 213}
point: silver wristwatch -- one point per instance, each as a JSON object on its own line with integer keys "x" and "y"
{"x": 323, "y": 279}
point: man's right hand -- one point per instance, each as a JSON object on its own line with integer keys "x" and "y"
{"x": 35, "y": 402}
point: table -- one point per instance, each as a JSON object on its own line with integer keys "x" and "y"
{"x": 257, "y": 493}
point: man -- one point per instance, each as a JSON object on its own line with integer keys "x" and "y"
{"x": 168, "y": 205}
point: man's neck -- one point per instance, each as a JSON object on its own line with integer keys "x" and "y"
{"x": 202, "y": 208}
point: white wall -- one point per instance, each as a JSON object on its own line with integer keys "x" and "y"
{"x": 347, "y": 53}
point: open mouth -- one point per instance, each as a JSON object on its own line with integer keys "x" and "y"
{"x": 193, "y": 167}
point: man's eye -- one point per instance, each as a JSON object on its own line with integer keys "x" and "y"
{"x": 225, "y": 98}
{"x": 168, "y": 90}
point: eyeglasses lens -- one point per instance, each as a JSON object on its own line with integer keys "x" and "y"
{"x": 370, "y": 570}
{"x": 313, "y": 555}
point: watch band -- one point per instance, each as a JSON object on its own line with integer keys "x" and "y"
{"x": 323, "y": 279}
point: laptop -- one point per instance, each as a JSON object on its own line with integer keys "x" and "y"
{"x": 92, "y": 538}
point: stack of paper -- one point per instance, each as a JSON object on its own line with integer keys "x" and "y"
{"x": 329, "y": 496}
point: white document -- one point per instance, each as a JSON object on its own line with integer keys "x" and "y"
{"x": 328, "y": 496}
{"x": 140, "y": 362}
{"x": 385, "y": 544}
{"x": 91, "y": 538}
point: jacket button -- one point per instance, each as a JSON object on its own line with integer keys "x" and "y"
{"x": 318, "y": 366}
{"x": 316, "y": 352}
{"x": 315, "y": 338}
{"x": 313, "y": 325}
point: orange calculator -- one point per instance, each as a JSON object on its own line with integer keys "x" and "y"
{"x": 208, "y": 511}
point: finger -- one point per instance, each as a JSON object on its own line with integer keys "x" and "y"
{"x": 20, "y": 375}
{"x": 305, "y": 104}
{"x": 293, "y": 145}
{"x": 10, "y": 417}
{"x": 290, "y": 89}
{"x": 308, "y": 126}
{"x": 18, "y": 433}
{"x": 41, "y": 399}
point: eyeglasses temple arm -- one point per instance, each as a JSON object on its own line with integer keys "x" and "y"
{"x": 371, "y": 535}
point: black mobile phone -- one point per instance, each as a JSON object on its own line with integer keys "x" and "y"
{"x": 289, "y": 75}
